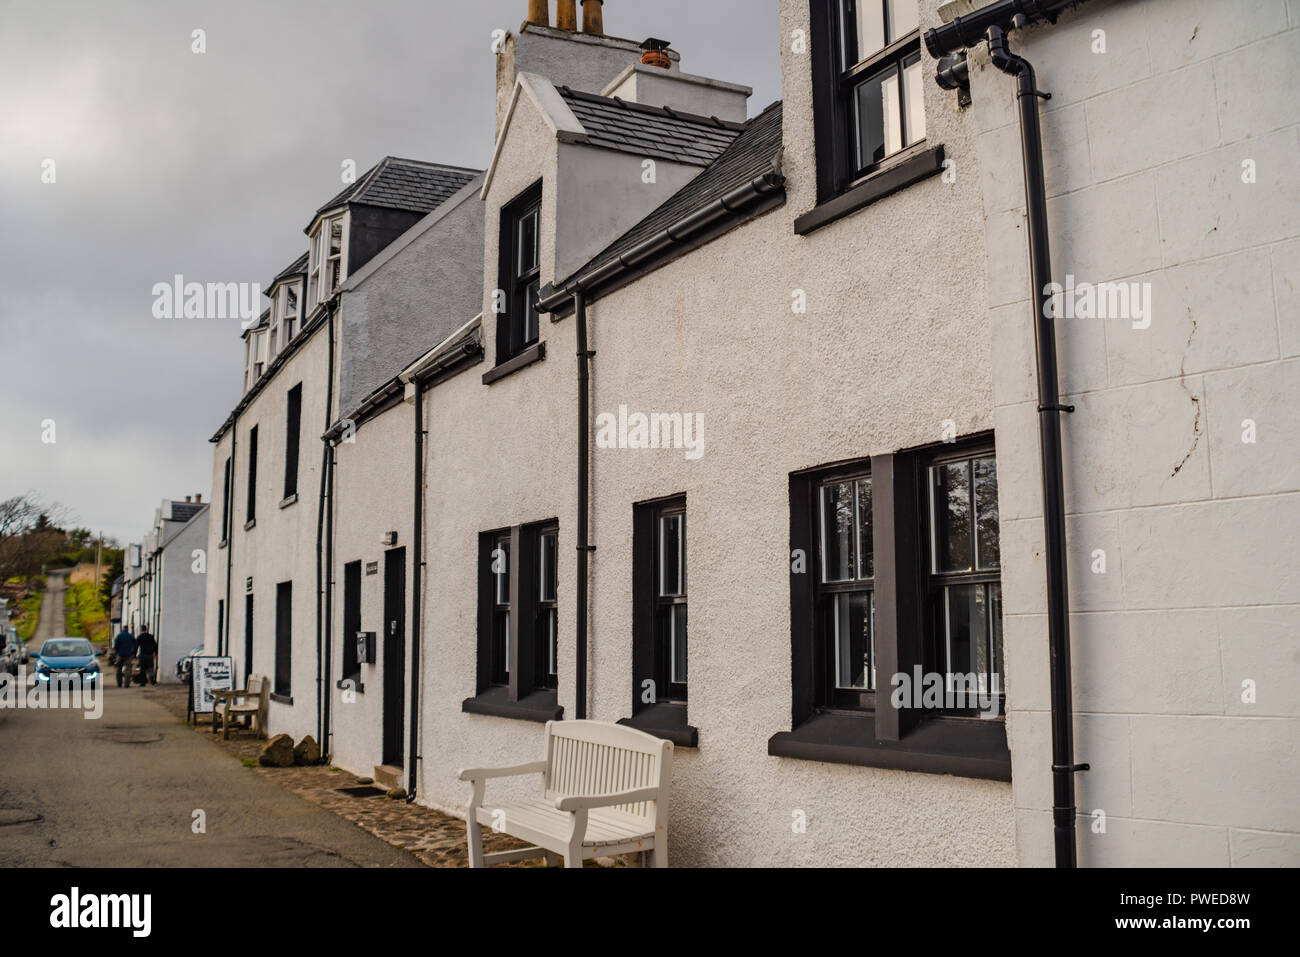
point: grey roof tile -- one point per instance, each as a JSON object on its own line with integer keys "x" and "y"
{"x": 404, "y": 184}
{"x": 651, "y": 131}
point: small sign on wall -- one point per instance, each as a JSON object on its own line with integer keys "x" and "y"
{"x": 372, "y": 568}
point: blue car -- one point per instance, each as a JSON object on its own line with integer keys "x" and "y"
{"x": 65, "y": 659}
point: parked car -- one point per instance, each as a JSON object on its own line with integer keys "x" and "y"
{"x": 8, "y": 665}
{"x": 20, "y": 652}
{"x": 66, "y": 658}
{"x": 185, "y": 667}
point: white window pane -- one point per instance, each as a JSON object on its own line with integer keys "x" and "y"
{"x": 837, "y": 532}
{"x": 903, "y": 18}
{"x": 891, "y": 116}
{"x": 677, "y": 645}
{"x": 871, "y": 28}
{"x": 914, "y": 101}
{"x": 852, "y": 623}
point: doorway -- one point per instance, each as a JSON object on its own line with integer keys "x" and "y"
{"x": 394, "y": 638}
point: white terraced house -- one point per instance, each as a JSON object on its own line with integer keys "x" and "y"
{"x": 165, "y": 581}
{"x": 915, "y": 454}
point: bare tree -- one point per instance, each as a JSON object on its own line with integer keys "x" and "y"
{"x": 29, "y": 534}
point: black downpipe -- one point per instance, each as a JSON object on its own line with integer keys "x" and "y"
{"x": 1049, "y": 432}
{"x": 322, "y": 559}
{"x": 417, "y": 584}
{"x": 584, "y": 495}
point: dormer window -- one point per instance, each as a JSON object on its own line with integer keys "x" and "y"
{"x": 326, "y": 262}
{"x": 285, "y": 312}
{"x": 291, "y": 311}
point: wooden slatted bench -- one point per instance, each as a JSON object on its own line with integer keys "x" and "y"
{"x": 605, "y": 790}
{"x": 250, "y": 703}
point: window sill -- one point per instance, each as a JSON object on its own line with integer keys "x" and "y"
{"x": 965, "y": 747}
{"x": 281, "y": 698}
{"x": 250, "y": 524}
{"x": 290, "y": 500}
{"x": 540, "y": 706}
{"x": 534, "y": 353}
{"x": 665, "y": 720}
{"x": 351, "y": 684}
{"x": 877, "y": 186}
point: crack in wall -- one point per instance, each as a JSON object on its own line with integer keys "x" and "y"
{"x": 1196, "y": 399}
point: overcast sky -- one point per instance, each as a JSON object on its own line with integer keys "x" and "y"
{"x": 210, "y": 166}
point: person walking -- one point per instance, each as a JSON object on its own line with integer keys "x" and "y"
{"x": 146, "y": 649}
{"x": 123, "y": 652}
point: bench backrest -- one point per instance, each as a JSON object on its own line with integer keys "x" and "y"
{"x": 592, "y": 757}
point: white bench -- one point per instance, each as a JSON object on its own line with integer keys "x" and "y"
{"x": 257, "y": 698}
{"x": 604, "y": 792}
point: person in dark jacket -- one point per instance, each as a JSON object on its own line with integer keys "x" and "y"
{"x": 146, "y": 649}
{"x": 123, "y": 652}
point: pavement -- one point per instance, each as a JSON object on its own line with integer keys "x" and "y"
{"x": 137, "y": 787}
{"x": 50, "y": 623}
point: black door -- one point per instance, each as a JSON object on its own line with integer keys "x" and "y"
{"x": 394, "y": 639}
{"x": 248, "y": 638}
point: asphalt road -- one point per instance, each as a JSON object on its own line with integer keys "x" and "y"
{"x": 122, "y": 791}
{"x": 50, "y": 623}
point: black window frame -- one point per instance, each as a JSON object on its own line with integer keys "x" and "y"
{"x": 250, "y": 515}
{"x": 226, "y": 509}
{"x": 284, "y": 640}
{"x": 513, "y": 337}
{"x": 546, "y": 627}
{"x": 828, "y": 692}
{"x": 292, "y": 440}
{"x": 876, "y": 733}
{"x": 835, "y": 85}
{"x": 667, "y": 713}
{"x": 351, "y": 620}
{"x": 934, "y": 582}
{"x": 511, "y": 674}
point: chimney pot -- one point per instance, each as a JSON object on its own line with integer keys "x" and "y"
{"x": 197, "y": 498}
{"x": 593, "y": 18}
{"x": 539, "y": 12}
{"x": 656, "y": 53}
{"x": 187, "y": 498}
{"x": 566, "y": 14}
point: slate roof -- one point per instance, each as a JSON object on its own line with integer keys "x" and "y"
{"x": 404, "y": 184}
{"x": 296, "y": 268}
{"x": 658, "y": 131}
{"x": 184, "y": 511}
{"x": 754, "y": 152}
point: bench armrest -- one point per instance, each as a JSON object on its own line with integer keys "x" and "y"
{"x": 483, "y": 774}
{"x": 606, "y": 800}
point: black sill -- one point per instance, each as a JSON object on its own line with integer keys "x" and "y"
{"x": 966, "y": 747}
{"x": 290, "y": 500}
{"x": 877, "y": 186}
{"x": 250, "y": 524}
{"x": 534, "y": 353}
{"x": 281, "y": 698}
{"x": 666, "y": 720}
{"x": 356, "y": 685}
{"x": 540, "y": 706}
